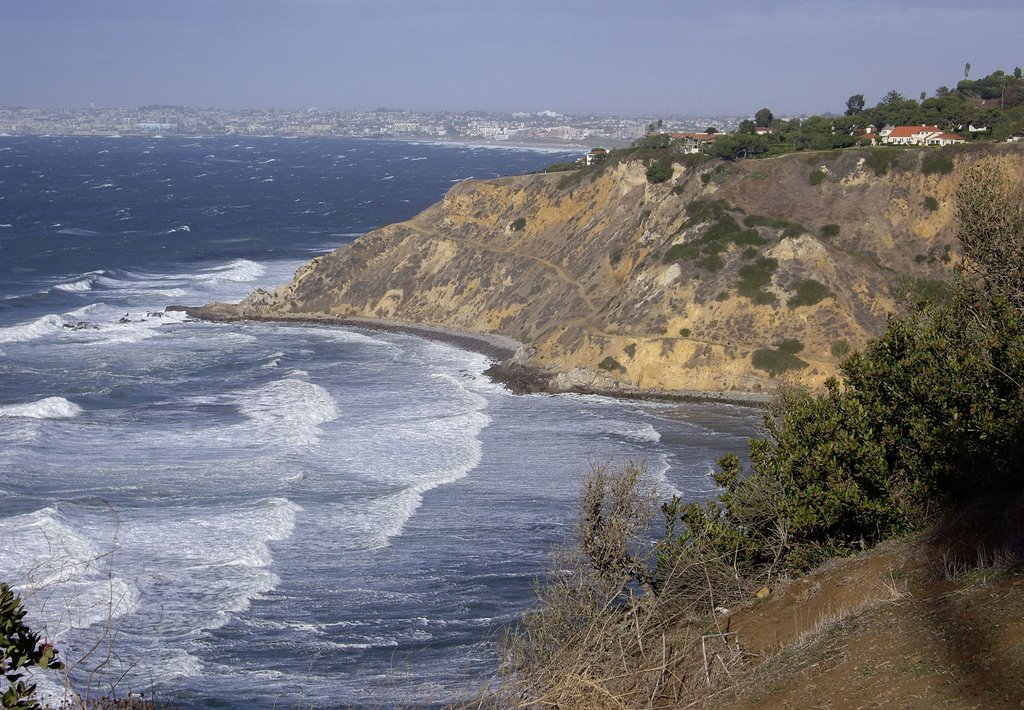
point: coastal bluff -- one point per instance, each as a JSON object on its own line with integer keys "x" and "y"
{"x": 721, "y": 279}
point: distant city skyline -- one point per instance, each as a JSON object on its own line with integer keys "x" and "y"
{"x": 571, "y": 56}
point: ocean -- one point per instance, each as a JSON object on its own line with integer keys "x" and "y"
{"x": 272, "y": 515}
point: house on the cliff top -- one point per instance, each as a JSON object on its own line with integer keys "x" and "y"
{"x": 918, "y": 135}
{"x": 695, "y": 142}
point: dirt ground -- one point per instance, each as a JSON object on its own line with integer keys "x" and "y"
{"x": 936, "y": 622}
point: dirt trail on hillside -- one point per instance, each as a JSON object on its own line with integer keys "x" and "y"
{"x": 899, "y": 627}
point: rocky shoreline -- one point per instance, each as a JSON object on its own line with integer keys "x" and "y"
{"x": 509, "y": 357}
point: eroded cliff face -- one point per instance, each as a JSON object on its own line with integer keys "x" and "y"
{"x": 690, "y": 285}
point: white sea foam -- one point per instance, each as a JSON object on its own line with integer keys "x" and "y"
{"x": 64, "y": 577}
{"x": 290, "y": 411}
{"x": 642, "y": 432}
{"x": 415, "y": 449}
{"x": 39, "y": 328}
{"x": 84, "y": 283}
{"x": 657, "y": 469}
{"x": 237, "y": 270}
{"x": 49, "y": 408}
{"x": 153, "y": 575}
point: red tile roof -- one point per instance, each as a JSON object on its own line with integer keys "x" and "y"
{"x": 908, "y": 131}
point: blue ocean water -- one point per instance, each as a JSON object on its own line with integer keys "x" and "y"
{"x": 266, "y": 515}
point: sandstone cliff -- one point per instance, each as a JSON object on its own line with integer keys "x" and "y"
{"x": 716, "y": 280}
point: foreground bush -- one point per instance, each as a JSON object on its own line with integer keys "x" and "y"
{"x": 20, "y": 650}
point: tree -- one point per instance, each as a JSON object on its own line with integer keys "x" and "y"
{"x": 892, "y": 97}
{"x": 967, "y": 70}
{"x": 1016, "y": 73}
{"x": 746, "y": 126}
{"x": 854, "y": 104}
{"x": 990, "y": 210}
{"x": 711, "y": 129}
{"x": 764, "y": 118}
{"x": 739, "y": 145}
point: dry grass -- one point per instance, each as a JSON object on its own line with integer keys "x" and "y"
{"x": 599, "y": 636}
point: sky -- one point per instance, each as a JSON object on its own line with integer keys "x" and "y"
{"x": 643, "y": 57}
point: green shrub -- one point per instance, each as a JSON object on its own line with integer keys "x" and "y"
{"x": 924, "y": 289}
{"x": 630, "y": 350}
{"x": 518, "y": 224}
{"x": 830, "y": 230}
{"x": 693, "y": 160}
{"x": 880, "y": 160}
{"x": 685, "y": 332}
{"x": 561, "y": 167}
{"x": 681, "y": 251}
{"x": 931, "y": 204}
{"x": 817, "y": 177}
{"x": 20, "y": 650}
{"x": 700, "y": 211}
{"x": 706, "y": 250}
{"x": 610, "y": 364}
{"x": 750, "y": 253}
{"x": 789, "y": 345}
{"x": 711, "y": 262}
{"x": 755, "y": 276}
{"x": 776, "y": 361}
{"x": 807, "y": 293}
{"x": 615, "y": 257}
{"x": 937, "y": 161}
{"x": 722, "y": 296}
{"x": 659, "y": 172}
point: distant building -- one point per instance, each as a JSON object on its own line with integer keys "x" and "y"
{"x": 405, "y": 127}
{"x": 157, "y": 127}
{"x": 695, "y": 142}
{"x": 918, "y": 135}
{"x": 593, "y": 155}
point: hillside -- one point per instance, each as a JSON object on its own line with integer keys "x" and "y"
{"x": 716, "y": 280}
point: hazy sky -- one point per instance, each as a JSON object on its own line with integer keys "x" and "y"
{"x": 655, "y": 57}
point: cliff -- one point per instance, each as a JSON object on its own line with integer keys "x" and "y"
{"x": 718, "y": 280}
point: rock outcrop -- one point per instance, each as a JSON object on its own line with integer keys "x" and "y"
{"x": 715, "y": 281}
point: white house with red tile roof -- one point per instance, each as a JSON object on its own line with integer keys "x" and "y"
{"x": 944, "y": 139}
{"x": 918, "y": 135}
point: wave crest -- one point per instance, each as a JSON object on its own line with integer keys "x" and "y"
{"x": 48, "y": 408}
